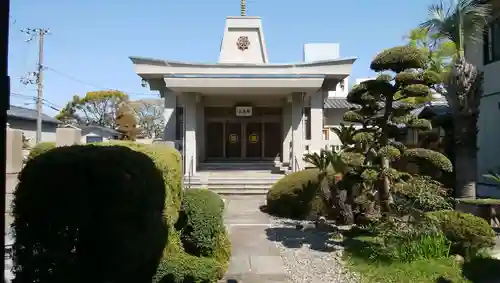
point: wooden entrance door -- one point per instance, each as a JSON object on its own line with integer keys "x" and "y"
{"x": 233, "y": 140}
{"x": 214, "y": 140}
{"x": 253, "y": 140}
{"x": 273, "y": 142}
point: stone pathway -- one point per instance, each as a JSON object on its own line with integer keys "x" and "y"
{"x": 254, "y": 259}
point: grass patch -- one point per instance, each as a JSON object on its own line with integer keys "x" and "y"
{"x": 360, "y": 258}
{"x": 480, "y": 201}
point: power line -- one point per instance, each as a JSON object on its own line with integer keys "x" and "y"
{"x": 93, "y": 85}
{"x": 34, "y": 98}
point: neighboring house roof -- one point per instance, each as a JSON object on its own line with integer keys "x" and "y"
{"x": 342, "y": 103}
{"x": 23, "y": 113}
{"x": 436, "y": 108}
{"x": 338, "y": 103}
{"x": 98, "y": 130}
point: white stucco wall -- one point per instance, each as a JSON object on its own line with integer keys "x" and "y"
{"x": 489, "y": 117}
{"x": 333, "y": 118}
{"x": 29, "y": 130}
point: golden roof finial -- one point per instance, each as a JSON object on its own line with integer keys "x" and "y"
{"x": 243, "y": 8}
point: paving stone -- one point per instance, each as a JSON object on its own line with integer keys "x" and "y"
{"x": 256, "y": 278}
{"x": 255, "y": 259}
{"x": 266, "y": 265}
{"x": 239, "y": 265}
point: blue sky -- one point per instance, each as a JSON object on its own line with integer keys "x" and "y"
{"x": 91, "y": 40}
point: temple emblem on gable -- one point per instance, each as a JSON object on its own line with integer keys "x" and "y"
{"x": 243, "y": 43}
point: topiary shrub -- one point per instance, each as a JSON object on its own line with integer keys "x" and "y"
{"x": 168, "y": 161}
{"x": 88, "y": 214}
{"x": 294, "y": 196}
{"x": 204, "y": 239}
{"x": 201, "y": 222}
{"x": 41, "y": 148}
{"x": 467, "y": 233}
{"x": 185, "y": 268}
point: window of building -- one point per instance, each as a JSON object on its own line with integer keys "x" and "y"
{"x": 179, "y": 129}
{"x": 307, "y": 122}
{"x": 491, "y": 42}
{"x": 342, "y": 85}
{"x": 326, "y": 134}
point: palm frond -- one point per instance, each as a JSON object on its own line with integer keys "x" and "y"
{"x": 319, "y": 161}
{"x": 493, "y": 176}
{"x": 446, "y": 19}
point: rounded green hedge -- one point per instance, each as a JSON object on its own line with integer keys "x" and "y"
{"x": 200, "y": 222}
{"x": 467, "y": 233}
{"x": 204, "y": 239}
{"x": 185, "y": 268}
{"x": 168, "y": 160}
{"x": 293, "y": 196}
{"x": 89, "y": 214}
{"x": 41, "y": 148}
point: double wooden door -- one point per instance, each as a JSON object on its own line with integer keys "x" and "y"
{"x": 243, "y": 140}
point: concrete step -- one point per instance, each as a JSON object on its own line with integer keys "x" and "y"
{"x": 237, "y": 165}
{"x": 229, "y": 191}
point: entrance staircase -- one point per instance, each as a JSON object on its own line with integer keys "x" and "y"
{"x": 229, "y": 178}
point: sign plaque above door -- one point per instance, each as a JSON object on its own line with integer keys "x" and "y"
{"x": 243, "y": 111}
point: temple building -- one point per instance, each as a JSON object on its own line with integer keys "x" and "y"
{"x": 243, "y": 107}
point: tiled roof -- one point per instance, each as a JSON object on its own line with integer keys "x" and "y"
{"x": 99, "y": 130}
{"x": 341, "y": 103}
{"x": 102, "y": 131}
{"x": 439, "y": 108}
{"x": 29, "y": 114}
{"x": 338, "y": 103}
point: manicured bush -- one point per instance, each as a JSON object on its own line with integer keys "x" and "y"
{"x": 294, "y": 196}
{"x": 204, "y": 239}
{"x": 467, "y": 233}
{"x": 41, "y": 148}
{"x": 88, "y": 214}
{"x": 200, "y": 222}
{"x": 168, "y": 161}
{"x": 185, "y": 268}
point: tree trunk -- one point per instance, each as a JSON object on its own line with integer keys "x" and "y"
{"x": 466, "y": 171}
{"x": 342, "y": 207}
{"x": 385, "y": 190}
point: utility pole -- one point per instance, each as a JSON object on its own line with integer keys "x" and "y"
{"x": 37, "y": 77}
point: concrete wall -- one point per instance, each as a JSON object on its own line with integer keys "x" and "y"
{"x": 29, "y": 130}
{"x": 489, "y": 131}
{"x": 14, "y": 160}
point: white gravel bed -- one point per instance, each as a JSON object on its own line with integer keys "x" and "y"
{"x": 306, "y": 257}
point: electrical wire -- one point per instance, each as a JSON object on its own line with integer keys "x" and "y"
{"x": 34, "y": 98}
{"x": 93, "y": 85}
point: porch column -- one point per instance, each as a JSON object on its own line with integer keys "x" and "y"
{"x": 317, "y": 103}
{"x": 169, "y": 106}
{"x": 297, "y": 131}
{"x": 200, "y": 131}
{"x": 287, "y": 131}
{"x": 189, "y": 102}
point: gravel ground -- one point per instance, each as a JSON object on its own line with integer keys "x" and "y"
{"x": 306, "y": 256}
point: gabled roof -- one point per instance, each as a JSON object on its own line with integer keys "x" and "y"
{"x": 28, "y": 114}
{"x": 99, "y": 130}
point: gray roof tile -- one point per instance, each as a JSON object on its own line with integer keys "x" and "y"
{"x": 29, "y": 114}
{"x": 338, "y": 103}
{"x": 341, "y": 103}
